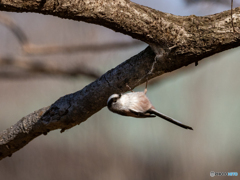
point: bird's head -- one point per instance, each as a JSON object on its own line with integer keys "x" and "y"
{"x": 112, "y": 102}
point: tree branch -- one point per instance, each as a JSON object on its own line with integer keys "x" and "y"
{"x": 193, "y": 38}
{"x": 16, "y": 30}
{"x": 94, "y": 48}
{"x": 38, "y": 66}
{"x": 140, "y": 22}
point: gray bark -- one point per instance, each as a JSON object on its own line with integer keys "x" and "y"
{"x": 185, "y": 40}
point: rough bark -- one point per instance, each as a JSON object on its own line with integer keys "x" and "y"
{"x": 185, "y": 40}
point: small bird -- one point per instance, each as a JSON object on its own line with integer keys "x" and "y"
{"x": 137, "y": 104}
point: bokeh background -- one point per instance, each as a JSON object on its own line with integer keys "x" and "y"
{"x": 109, "y": 146}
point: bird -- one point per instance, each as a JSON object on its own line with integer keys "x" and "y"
{"x": 137, "y": 104}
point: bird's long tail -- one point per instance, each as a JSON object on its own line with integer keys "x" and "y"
{"x": 178, "y": 123}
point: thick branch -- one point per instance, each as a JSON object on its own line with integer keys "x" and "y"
{"x": 140, "y": 22}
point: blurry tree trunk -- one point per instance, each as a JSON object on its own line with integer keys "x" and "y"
{"x": 181, "y": 40}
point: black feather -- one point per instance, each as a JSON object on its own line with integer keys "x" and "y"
{"x": 178, "y": 123}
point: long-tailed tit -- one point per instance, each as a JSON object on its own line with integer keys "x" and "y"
{"x": 137, "y": 104}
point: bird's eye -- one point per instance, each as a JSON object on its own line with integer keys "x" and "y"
{"x": 114, "y": 100}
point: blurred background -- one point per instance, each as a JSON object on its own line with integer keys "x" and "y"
{"x": 109, "y": 146}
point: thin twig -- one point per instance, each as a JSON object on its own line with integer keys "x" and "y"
{"x": 16, "y": 30}
{"x": 94, "y": 48}
{"x": 130, "y": 89}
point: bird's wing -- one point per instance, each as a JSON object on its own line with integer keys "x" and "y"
{"x": 178, "y": 123}
{"x": 141, "y": 114}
